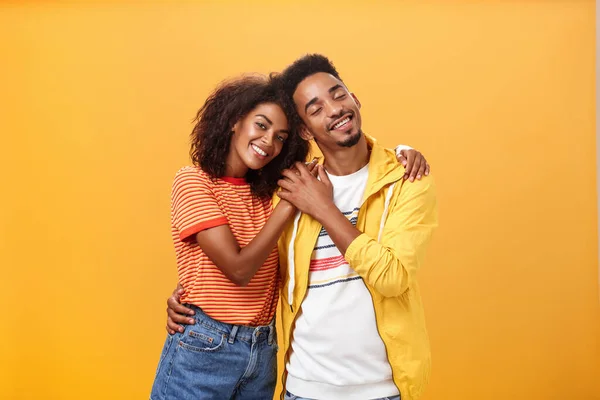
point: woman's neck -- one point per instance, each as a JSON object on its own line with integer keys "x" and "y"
{"x": 234, "y": 166}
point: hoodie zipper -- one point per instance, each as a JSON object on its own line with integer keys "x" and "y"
{"x": 305, "y": 288}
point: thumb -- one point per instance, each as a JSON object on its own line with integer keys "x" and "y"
{"x": 401, "y": 156}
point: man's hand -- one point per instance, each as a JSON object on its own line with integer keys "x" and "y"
{"x": 311, "y": 166}
{"x": 414, "y": 162}
{"x": 306, "y": 192}
{"x": 176, "y": 313}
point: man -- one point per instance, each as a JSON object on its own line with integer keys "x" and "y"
{"x": 353, "y": 324}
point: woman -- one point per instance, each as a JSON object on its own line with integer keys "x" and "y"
{"x": 225, "y": 231}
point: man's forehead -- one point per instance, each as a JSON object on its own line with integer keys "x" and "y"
{"x": 321, "y": 81}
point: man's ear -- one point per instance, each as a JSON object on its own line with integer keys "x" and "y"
{"x": 305, "y": 133}
{"x": 355, "y": 99}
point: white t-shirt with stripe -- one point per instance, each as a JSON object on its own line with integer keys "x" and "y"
{"x": 336, "y": 350}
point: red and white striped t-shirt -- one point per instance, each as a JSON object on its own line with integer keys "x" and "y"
{"x": 199, "y": 202}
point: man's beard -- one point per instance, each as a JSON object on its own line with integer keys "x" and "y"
{"x": 351, "y": 141}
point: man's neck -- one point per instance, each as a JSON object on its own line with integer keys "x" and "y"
{"x": 346, "y": 160}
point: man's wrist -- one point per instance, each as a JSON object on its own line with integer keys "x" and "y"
{"x": 325, "y": 212}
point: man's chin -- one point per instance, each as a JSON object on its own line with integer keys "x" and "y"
{"x": 351, "y": 141}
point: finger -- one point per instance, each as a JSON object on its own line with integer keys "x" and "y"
{"x": 427, "y": 168}
{"x": 402, "y": 157}
{"x": 286, "y": 184}
{"x": 410, "y": 159}
{"x": 288, "y": 179}
{"x": 173, "y": 327}
{"x": 323, "y": 176}
{"x": 176, "y": 306}
{"x": 170, "y": 331}
{"x": 302, "y": 169}
{"x": 312, "y": 162}
{"x": 415, "y": 169}
{"x": 179, "y": 318}
{"x": 178, "y": 292}
{"x": 421, "y": 171}
{"x": 289, "y": 174}
{"x": 312, "y": 167}
{"x": 284, "y": 195}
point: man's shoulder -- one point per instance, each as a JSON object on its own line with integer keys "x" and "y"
{"x": 425, "y": 184}
{"x": 420, "y": 194}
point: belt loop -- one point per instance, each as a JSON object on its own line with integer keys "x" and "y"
{"x": 271, "y": 333}
{"x": 233, "y": 333}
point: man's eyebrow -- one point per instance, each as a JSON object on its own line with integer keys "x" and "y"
{"x": 315, "y": 99}
{"x": 310, "y": 103}
{"x": 334, "y": 88}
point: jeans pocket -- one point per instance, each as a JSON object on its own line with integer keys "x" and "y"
{"x": 199, "y": 338}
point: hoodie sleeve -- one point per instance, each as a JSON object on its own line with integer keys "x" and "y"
{"x": 390, "y": 265}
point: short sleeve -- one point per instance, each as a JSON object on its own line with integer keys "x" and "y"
{"x": 194, "y": 206}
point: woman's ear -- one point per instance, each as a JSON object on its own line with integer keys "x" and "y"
{"x": 235, "y": 127}
{"x": 305, "y": 133}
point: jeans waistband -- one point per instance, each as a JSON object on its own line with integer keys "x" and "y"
{"x": 236, "y": 332}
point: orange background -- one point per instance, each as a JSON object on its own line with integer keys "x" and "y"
{"x": 96, "y": 106}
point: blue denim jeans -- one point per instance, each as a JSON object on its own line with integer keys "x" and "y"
{"x": 289, "y": 396}
{"x": 214, "y": 360}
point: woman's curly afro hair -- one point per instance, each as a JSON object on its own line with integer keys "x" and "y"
{"x": 231, "y": 101}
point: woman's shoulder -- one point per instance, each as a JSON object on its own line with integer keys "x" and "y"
{"x": 191, "y": 171}
{"x": 191, "y": 174}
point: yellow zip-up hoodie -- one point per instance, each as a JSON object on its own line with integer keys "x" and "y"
{"x": 397, "y": 219}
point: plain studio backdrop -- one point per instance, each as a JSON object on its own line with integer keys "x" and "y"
{"x": 96, "y": 106}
